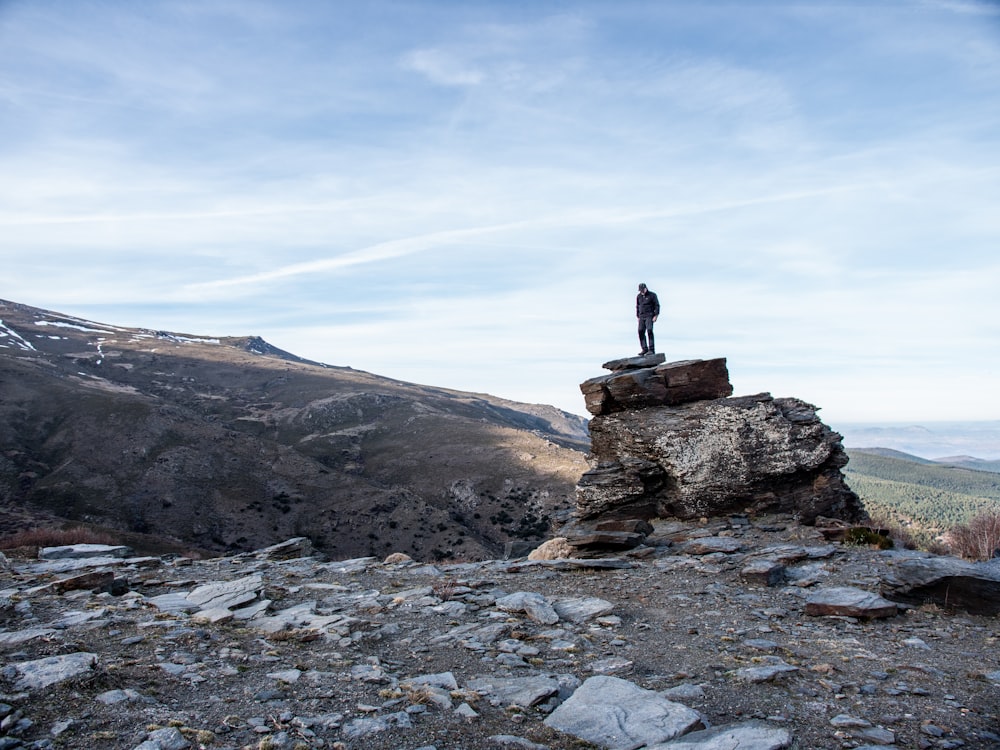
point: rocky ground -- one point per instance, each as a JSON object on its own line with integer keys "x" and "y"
{"x": 260, "y": 652}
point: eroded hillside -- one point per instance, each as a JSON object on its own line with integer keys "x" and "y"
{"x": 230, "y": 444}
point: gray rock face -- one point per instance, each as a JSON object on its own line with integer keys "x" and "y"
{"x": 948, "y": 582}
{"x": 616, "y": 714}
{"x": 753, "y": 454}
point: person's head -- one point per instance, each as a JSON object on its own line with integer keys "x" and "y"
{"x": 642, "y": 287}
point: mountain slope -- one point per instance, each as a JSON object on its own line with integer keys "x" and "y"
{"x": 970, "y": 462}
{"x": 230, "y": 443}
{"x": 891, "y": 453}
{"x": 930, "y": 496}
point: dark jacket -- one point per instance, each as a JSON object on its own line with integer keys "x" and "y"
{"x": 647, "y": 305}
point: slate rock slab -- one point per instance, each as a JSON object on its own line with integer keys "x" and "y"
{"x": 98, "y": 579}
{"x": 227, "y": 594}
{"x": 634, "y": 363}
{"x": 771, "y": 670}
{"x": 948, "y": 582}
{"x": 17, "y": 637}
{"x": 619, "y": 715}
{"x": 365, "y": 726}
{"x": 712, "y": 544}
{"x": 172, "y": 602}
{"x": 752, "y": 735}
{"x": 41, "y": 673}
{"x": 847, "y": 601}
{"x": 534, "y": 605}
{"x": 289, "y": 549}
{"x": 524, "y": 692}
{"x": 601, "y": 563}
{"x": 83, "y": 551}
{"x": 71, "y": 564}
{"x": 168, "y": 738}
{"x": 763, "y": 572}
{"x": 582, "y": 609}
{"x": 583, "y": 540}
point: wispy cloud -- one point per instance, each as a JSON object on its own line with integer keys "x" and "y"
{"x": 808, "y": 187}
{"x": 442, "y": 68}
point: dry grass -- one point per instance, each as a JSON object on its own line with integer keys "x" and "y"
{"x": 979, "y": 539}
{"x": 56, "y": 538}
{"x": 901, "y": 535}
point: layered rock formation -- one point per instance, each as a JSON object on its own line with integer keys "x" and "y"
{"x": 668, "y": 441}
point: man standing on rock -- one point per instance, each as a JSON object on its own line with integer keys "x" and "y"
{"x": 647, "y": 310}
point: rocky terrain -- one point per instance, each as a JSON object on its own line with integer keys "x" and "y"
{"x": 178, "y": 442}
{"x": 748, "y": 632}
{"x": 711, "y": 587}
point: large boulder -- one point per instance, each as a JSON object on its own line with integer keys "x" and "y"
{"x": 749, "y": 454}
{"x": 945, "y": 581}
{"x": 616, "y": 714}
{"x": 848, "y": 601}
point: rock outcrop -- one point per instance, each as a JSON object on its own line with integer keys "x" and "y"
{"x": 948, "y": 582}
{"x": 668, "y": 441}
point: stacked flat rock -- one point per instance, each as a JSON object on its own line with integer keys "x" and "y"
{"x": 638, "y": 382}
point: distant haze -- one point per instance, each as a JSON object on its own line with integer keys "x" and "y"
{"x": 927, "y": 440}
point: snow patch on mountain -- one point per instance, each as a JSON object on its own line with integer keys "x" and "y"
{"x": 74, "y": 326}
{"x": 16, "y": 338}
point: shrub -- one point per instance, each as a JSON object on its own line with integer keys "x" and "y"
{"x": 979, "y": 539}
{"x": 56, "y": 538}
{"x": 898, "y": 531}
{"x": 862, "y": 536}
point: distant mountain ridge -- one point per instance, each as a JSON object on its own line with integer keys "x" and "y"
{"x": 970, "y": 462}
{"x": 958, "y": 462}
{"x": 967, "y": 438}
{"x": 927, "y": 496}
{"x": 229, "y": 443}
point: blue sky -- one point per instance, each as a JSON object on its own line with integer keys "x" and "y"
{"x": 465, "y": 194}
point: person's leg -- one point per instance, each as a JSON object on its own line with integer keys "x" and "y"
{"x": 644, "y": 325}
{"x": 649, "y": 334}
